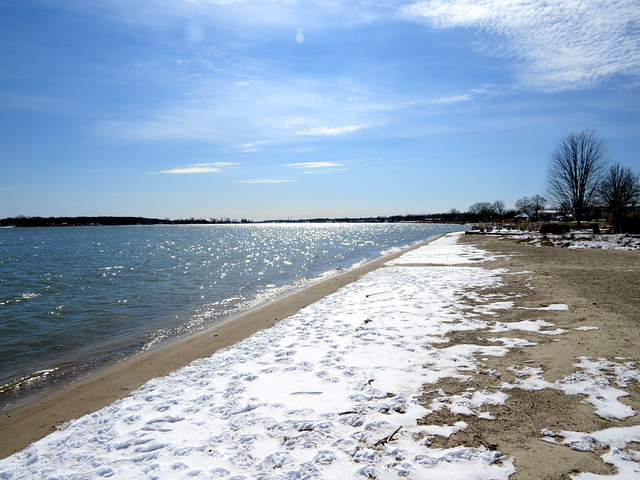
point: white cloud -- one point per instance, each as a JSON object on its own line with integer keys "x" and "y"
{"x": 251, "y": 147}
{"x": 305, "y": 126}
{"x": 453, "y": 99}
{"x": 311, "y": 168}
{"x": 235, "y": 119}
{"x": 199, "y": 168}
{"x": 565, "y": 44}
{"x": 314, "y": 165}
{"x": 266, "y": 180}
{"x": 170, "y": 123}
{"x": 286, "y": 121}
{"x": 330, "y": 131}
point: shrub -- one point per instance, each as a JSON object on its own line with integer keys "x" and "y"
{"x": 629, "y": 224}
{"x": 554, "y": 228}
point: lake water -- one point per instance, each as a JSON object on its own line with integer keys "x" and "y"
{"x": 73, "y": 299}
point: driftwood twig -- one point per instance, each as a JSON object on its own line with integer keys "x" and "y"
{"x": 384, "y": 440}
{"x": 377, "y": 293}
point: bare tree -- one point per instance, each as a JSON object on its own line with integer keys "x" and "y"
{"x": 538, "y": 202}
{"x": 499, "y": 208}
{"x": 483, "y": 210}
{"x": 454, "y": 215}
{"x": 531, "y": 205}
{"x": 576, "y": 165}
{"x": 620, "y": 191}
{"x": 524, "y": 205}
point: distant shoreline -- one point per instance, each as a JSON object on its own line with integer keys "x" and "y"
{"x": 84, "y": 221}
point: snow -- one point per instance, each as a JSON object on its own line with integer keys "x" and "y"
{"x": 446, "y": 251}
{"x": 468, "y": 403}
{"x": 528, "y": 326}
{"x": 332, "y": 392}
{"x": 577, "y": 239}
{"x": 593, "y": 378}
{"x": 615, "y": 440}
{"x": 552, "y": 307}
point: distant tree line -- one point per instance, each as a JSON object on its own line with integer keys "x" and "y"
{"x": 581, "y": 181}
{"x": 434, "y": 218}
{"x": 22, "y": 221}
{"x": 581, "y": 176}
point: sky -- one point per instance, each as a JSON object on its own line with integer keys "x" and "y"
{"x": 303, "y": 109}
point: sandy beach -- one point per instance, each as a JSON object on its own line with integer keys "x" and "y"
{"x": 529, "y": 374}
{"x": 602, "y": 289}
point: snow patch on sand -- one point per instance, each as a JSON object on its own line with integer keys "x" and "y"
{"x": 528, "y": 326}
{"x": 595, "y": 378}
{"x": 578, "y": 239}
{"x": 552, "y": 307}
{"x": 446, "y": 251}
{"x": 616, "y": 441}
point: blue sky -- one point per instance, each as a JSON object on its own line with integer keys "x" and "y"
{"x": 285, "y": 108}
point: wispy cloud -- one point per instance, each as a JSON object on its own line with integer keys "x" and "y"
{"x": 252, "y": 147}
{"x": 442, "y": 100}
{"x": 330, "y": 131}
{"x": 35, "y": 103}
{"x": 286, "y": 122}
{"x": 565, "y": 45}
{"x": 246, "y": 13}
{"x": 199, "y": 168}
{"x": 308, "y": 126}
{"x": 452, "y": 99}
{"x": 277, "y": 109}
{"x": 266, "y": 180}
{"x": 314, "y": 165}
{"x": 309, "y": 168}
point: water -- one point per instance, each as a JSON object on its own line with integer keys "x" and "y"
{"x": 73, "y": 299}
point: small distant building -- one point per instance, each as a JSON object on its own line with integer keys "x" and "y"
{"x": 523, "y": 218}
{"x": 549, "y": 215}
